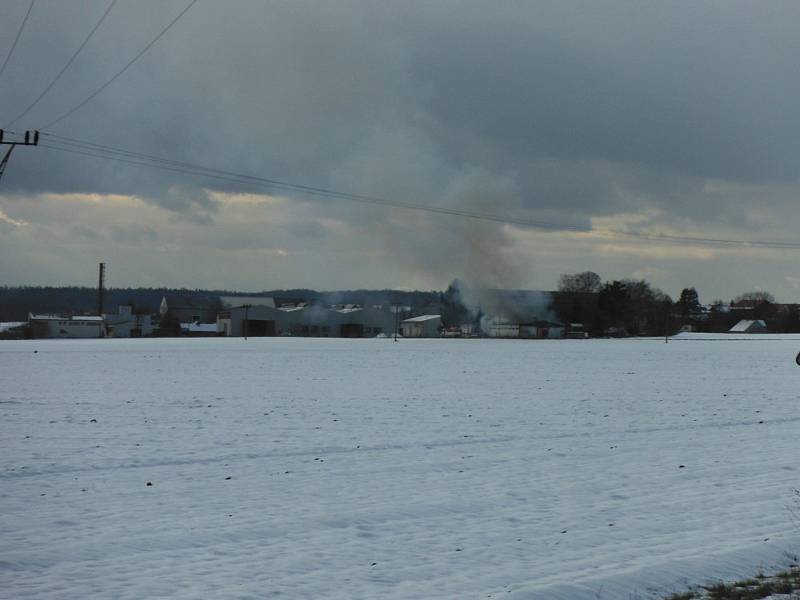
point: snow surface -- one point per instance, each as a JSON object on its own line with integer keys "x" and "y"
{"x": 314, "y": 468}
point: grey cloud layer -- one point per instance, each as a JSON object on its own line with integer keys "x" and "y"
{"x": 551, "y": 110}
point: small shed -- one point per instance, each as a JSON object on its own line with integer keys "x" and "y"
{"x": 749, "y": 326}
{"x": 422, "y": 326}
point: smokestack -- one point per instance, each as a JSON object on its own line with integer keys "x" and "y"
{"x": 101, "y": 291}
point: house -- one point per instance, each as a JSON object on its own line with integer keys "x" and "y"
{"x": 54, "y": 326}
{"x": 749, "y": 326}
{"x": 423, "y": 326}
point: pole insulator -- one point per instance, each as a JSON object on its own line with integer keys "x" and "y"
{"x": 36, "y": 138}
{"x": 27, "y": 137}
{"x": 1, "y": 136}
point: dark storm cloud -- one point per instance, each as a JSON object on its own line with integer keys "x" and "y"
{"x": 296, "y": 88}
{"x": 550, "y": 110}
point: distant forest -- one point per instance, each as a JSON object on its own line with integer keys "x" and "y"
{"x": 17, "y": 302}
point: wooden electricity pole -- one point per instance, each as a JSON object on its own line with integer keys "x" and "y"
{"x": 31, "y": 139}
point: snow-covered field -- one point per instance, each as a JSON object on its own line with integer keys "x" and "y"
{"x": 311, "y": 468}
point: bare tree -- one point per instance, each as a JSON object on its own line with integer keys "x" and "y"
{"x": 588, "y": 281}
{"x": 755, "y": 298}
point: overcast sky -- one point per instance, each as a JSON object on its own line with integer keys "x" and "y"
{"x": 663, "y": 118}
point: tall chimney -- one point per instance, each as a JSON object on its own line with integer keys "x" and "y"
{"x": 101, "y": 291}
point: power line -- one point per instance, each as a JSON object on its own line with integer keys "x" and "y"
{"x": 91, "y": 149}
{"x": 66, "y": 66}
{"x": 190, "y": 168}
{"x": 310, "y": 190}
{"x": 123, "y": 69}
{"x": 16, "y": 39}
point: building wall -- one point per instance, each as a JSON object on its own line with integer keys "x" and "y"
{"x": 412, "y": 330}
{"x": 502, "y": 330}
{"x": 262, "y": 320}
{"x": 66, "y": 328}
{"x": 427, "y": 329}
{"x": 129, "y": 325}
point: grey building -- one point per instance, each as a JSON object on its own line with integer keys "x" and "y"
{"x": 426, "y": 326}
{"x": 127, "y": 324}
{"x": 304, "y": 321}
{"x": 749, "y": 326}
{"x": 186, "y": 310}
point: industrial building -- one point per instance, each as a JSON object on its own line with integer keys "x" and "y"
{"x": 54, "y": 326}
{"x": 424, "y": 326}
{"x": 530, "y": 331}
{"x": 303, "y": 320}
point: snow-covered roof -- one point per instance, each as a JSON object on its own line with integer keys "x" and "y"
{"x": 422, "y": 318}
{"x": 83, "y": 318}
{"x": 236, "y": 301}
{"x": 11, "y": 325}
{"x": 745, "y": 324}
{"x": 199, "y": 327}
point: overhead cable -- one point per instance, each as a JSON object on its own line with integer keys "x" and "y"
{"x": 123, "y": 69}
{"x": 16, "y": 39}
{"x": 65, "y": 67}
{"x": 105, "y": 152}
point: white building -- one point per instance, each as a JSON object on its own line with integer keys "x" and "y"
{"x": 53, "y": 326}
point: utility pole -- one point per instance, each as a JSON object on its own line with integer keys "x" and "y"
{"x": 31, "y": 139}
{"x": 246, "y": 322}
{"x": 101, "y": 295}
{"x": 396, "y": 310}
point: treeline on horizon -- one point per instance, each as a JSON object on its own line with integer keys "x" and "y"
{"x": 618, "y": 307}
